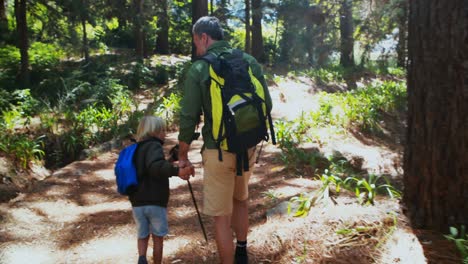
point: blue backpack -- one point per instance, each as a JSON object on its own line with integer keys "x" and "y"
{"x": 125, "y": 171}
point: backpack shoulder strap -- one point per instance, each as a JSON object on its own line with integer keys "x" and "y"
{"x": 237, "y": 53}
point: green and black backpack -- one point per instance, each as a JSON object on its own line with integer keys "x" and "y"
{"x": 238, "y": 111}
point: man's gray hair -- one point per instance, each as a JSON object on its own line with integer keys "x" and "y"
{"x": 209, "y": 25}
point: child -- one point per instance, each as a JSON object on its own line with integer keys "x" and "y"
{"x": 149, "y": 201}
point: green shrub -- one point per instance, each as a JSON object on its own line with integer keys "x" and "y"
{"x": 43, "y": 55}
{"x": 460, "y": 238}
{"x": 169, "y": 108}
{"x": 366, "y": 189}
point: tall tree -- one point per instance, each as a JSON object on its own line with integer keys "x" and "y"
{"x": 3, "y": 19}
{"x": 20, "y": 7}
{"x": 247, "y": 26}
{"x": 436, "y": 154}
{"x": 347, "y": 42}
{"x": 258, "y": 50}
{"x": 83, "y": 19}
{"x": 162, "y": 40}
{"x": 402, "y": 22}
{"x": 346, "y": 32}
{"x": 199, "y": 9}
{"x": 138, "y": 28}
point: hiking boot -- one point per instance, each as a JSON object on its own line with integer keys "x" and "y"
{"x": 241, "y": 256}
{"x": 142, "y": 260}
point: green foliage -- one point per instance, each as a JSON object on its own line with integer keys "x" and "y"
{"x": 326, "y": 75}
{"x": 366, "y": 189}
{"x": 43, "y": 55}
{"x": 169, "y": 108}
{"x": 9, "y": 57}
{"x": 329, "y": 181}
{"x": 22, "y": 148}
{"x": 361, "y": 107}
{"x": 460, "y": 238}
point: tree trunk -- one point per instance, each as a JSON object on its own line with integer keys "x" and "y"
{"x": 436, "y": 154}
{"x": 23, "y": 44}
{"x": 257, "y": 38}
{"x": 85, "y": 40}
{"x": 347, "y": 42}
{"x": 402, "y": 35}
{"x": 138, "y": 29}
{"x": 162, "y": 40}
{"x": 346, "y": 32}
{"x": 3, "y": 20}
{"x": 199, "y": 9}
{"x": 247, "y": 26}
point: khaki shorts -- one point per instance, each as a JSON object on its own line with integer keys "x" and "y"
{"x": 221, "y": 184}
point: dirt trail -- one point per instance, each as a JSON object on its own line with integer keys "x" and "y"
{"x": 76, "y": 215}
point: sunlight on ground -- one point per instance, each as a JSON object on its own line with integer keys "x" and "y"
{"x": 106, "y": 174}
{"x": 29, "y": 253}
{"x": 289, "y": 91}
{"x": 65, "y": 211}
{"x": 116, "y": 247}
{"x": 403, "y": 247}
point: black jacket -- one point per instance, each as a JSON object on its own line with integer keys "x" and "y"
{"x": 153, "y": 172}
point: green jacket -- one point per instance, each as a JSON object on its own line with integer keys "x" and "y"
{"x": 196, "y": 97}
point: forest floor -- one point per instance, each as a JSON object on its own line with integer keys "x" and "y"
{"x": 76, "y": 215}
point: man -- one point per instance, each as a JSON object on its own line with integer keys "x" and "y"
{"x": 224, "y": 194}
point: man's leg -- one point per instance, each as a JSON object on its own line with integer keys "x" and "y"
{"x": 157, "y": 249}
{"x": 223, "y": 235}
{"x": 240, "y": 224}
{"x": 240, "y": 219}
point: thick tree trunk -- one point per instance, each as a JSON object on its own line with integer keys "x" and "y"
{"x": 347, "y": 42}
{"x": 85, "y": 41}
{"x": 436, "y": 154}
{"x": 257, "y": 38}
{"x": 162, "y": 41}
{"x": 247, "y": 26}
{"x": 138, "y": 29}
{"x": 346, "y": 32}
{"x": 402, "y": 35}
{"x": 199, "y": 9}
{"x": 3, "y": 20}
{"x": 23, "y": 41}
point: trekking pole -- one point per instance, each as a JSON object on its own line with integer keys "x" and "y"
{"x": 198, "y": 212}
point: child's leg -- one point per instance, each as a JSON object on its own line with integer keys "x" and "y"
{"x": 142, "y": 246}
{"x": 157, "y": 249}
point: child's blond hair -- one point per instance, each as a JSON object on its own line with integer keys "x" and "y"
{"x": 150, "y": 126}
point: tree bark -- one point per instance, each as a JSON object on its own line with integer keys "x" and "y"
{"x": 402, "y": 35}
{"x": 23, "y": 41}
{"x": 3, "y": 19}
{"x": 138, "y": 29}
{"x": 346, "y": 32}
{"x": 436, "y": 152}
{"x": 85, "y": 40}
{"x": 247, "y": 26}
{"x": 258, "y": 50}
{"x": 347, "y": 42}
{"x": 199, "y": 9}
{"x": 162, "y": 40}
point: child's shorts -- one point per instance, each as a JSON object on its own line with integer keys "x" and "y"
{"x": 150, "y": 218}
{"x": 221, "y": 184}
